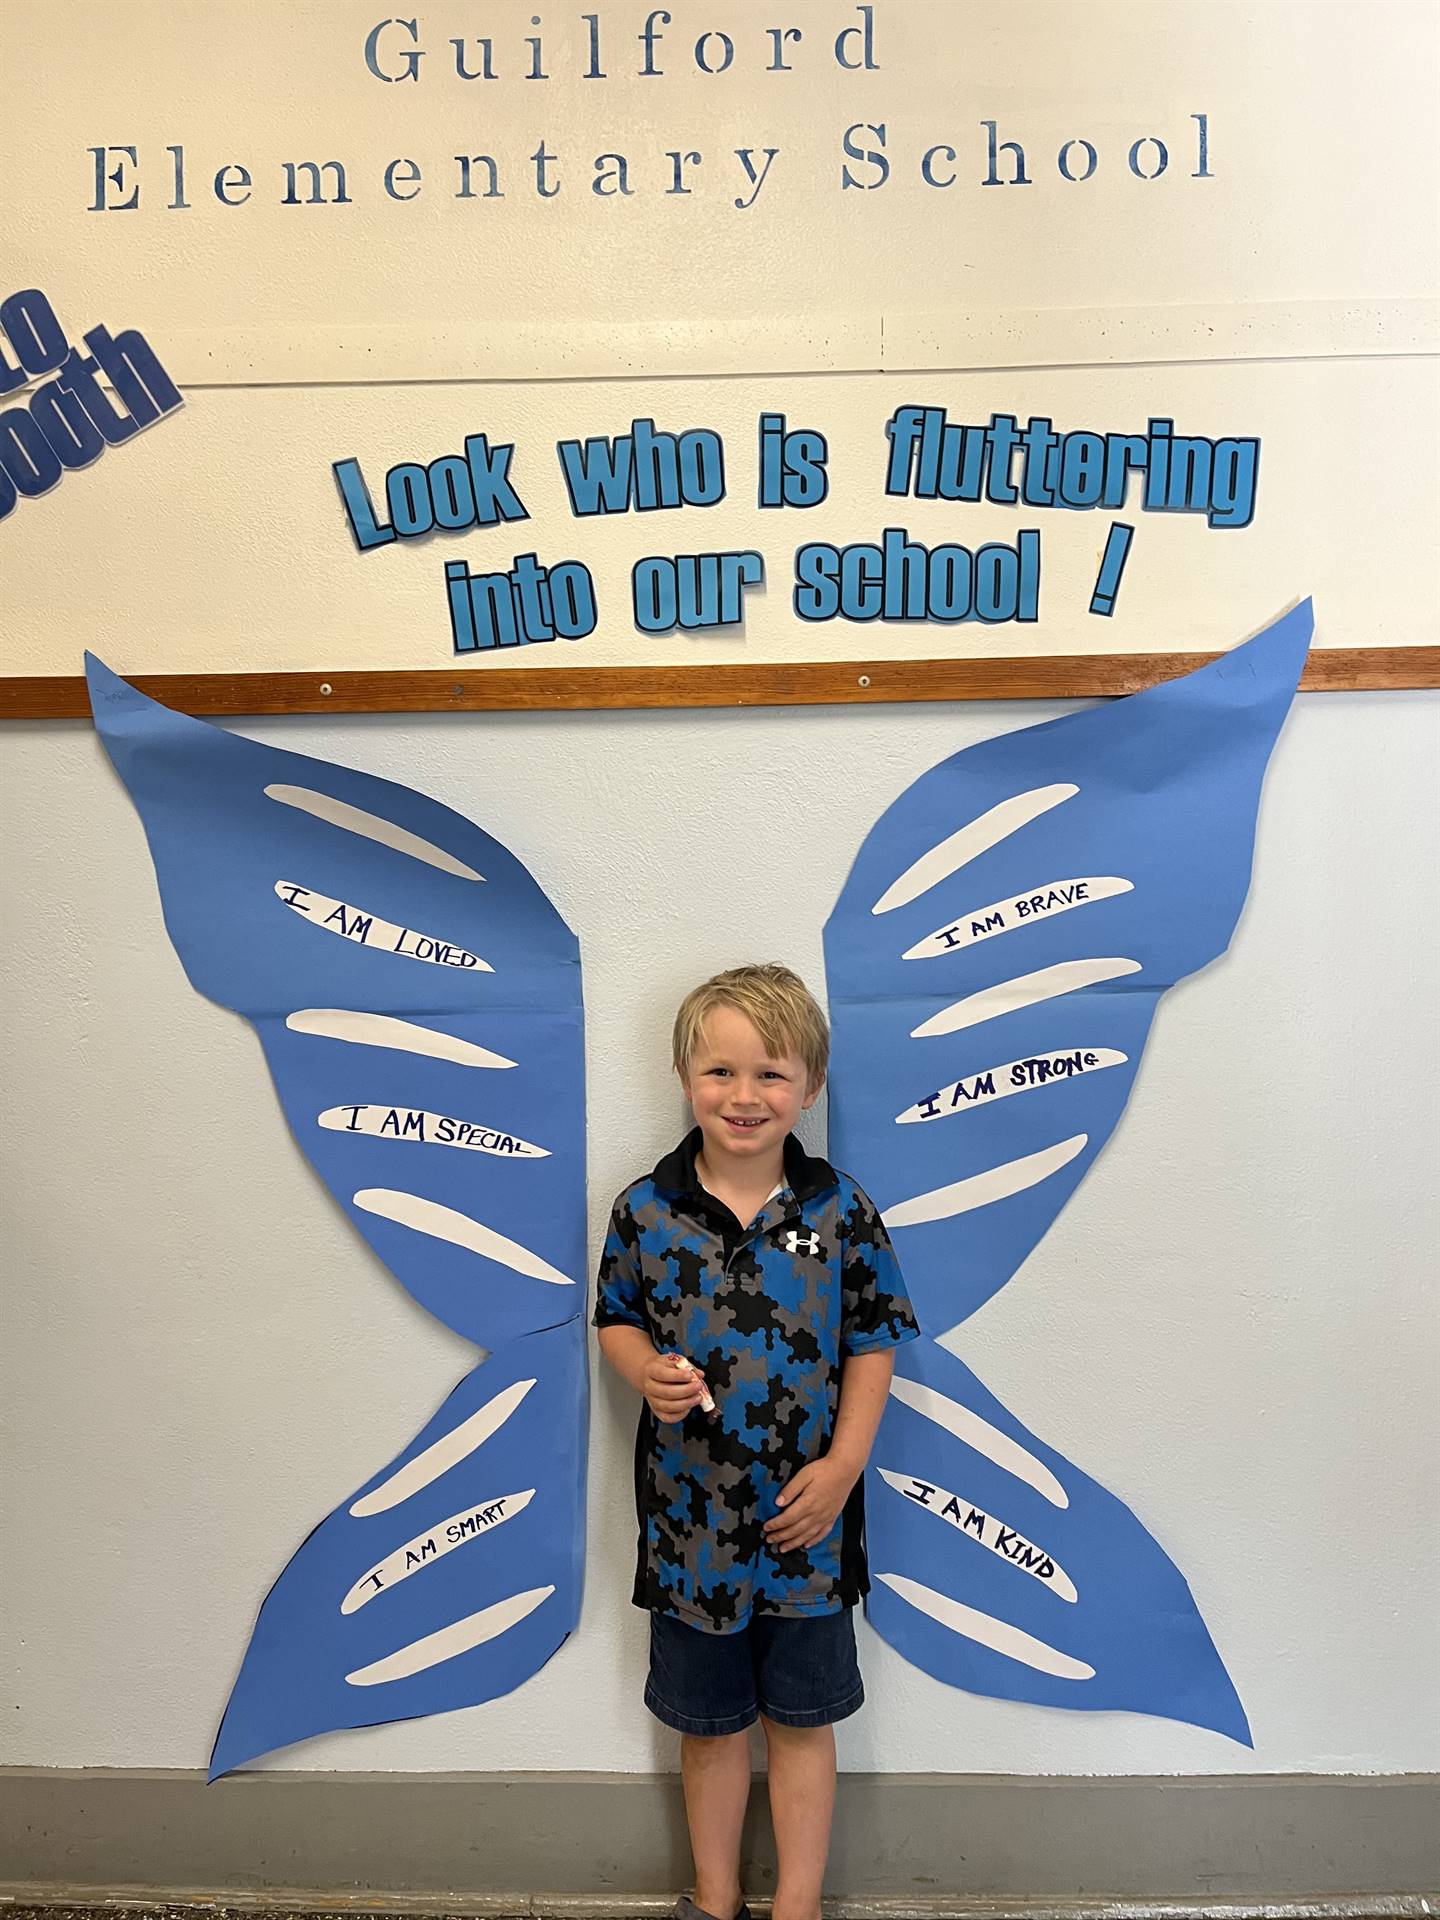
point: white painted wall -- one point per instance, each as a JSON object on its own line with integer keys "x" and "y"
{"x": 1234, "y": 1325}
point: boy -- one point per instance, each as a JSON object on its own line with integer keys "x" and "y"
{"x": 746, "y": 1274}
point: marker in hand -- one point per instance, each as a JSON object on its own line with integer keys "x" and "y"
{"x": 707, "y": 1402}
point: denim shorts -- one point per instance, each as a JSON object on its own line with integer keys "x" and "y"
{"x": 799, "y": 1673}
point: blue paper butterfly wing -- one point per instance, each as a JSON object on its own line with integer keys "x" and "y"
{"x": 1048, "y": 887}
{"x": 490, "y": 1545}
{"x": 418, "y": 999}
{"x": 1067, "y": 1600}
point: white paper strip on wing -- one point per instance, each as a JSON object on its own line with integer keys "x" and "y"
{"x": 1004, "y": 1541}
{"x": 1020, "y": 910}
{"x": 372, "y": 826}
{"x": 964, "y": 845}
{"x": 384, "y": 1030}
{"x": 985, "y": 1629}
{"x": 471, "y": 1523}
{"x": 1035, "y": 1071}
{"x": 983, "y": 1189}
{"x": 1025, "y": 990}
{"x": 459, "y": 1637}
{"x": 978, "y": 1433}
{"x": 442, "y": 1454}
{"x": 460, "y": 1229}
{"x": 362, "y": 929}
{"x": 428, "y": 1129}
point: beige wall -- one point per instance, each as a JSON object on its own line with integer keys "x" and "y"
{"x": 1279, "y": 284}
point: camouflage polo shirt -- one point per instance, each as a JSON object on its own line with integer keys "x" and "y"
{"x": 768, "y": 1312}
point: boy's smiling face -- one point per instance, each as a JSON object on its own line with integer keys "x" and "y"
{"x": 745, "y": 1099}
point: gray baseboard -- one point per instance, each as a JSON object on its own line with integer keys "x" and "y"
{"x": 595, "y": 1842}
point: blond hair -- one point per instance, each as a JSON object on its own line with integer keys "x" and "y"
{"x": 775, "y": 1001}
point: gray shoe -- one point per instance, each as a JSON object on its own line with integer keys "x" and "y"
{"x": 686, "y": 1909}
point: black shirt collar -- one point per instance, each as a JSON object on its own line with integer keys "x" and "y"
{"x": 805, "y": 1174}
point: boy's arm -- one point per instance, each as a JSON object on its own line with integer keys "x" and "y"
{"x": 670, "y": 1387}
{"x": 814, "y": 1497}
{"x": 624, "y": 1336}
{"x": 628, "y": 1350}
{"x": 864, "y": 1383}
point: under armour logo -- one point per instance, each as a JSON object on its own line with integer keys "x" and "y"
{"x": 802, "y": 1243}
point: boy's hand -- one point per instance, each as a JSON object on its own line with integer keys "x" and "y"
{"x": 672, "y": 1385}
{"x": 811, "y": 1504}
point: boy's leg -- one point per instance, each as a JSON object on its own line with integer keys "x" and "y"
{"x": 703, "y": 1685}
{"x": 716, "y": 1772}
{"x": 802, "y": 1799}
{"x": 807, "y": 1679}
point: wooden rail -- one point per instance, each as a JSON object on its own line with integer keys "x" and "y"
{"x": 471, "y": 689}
